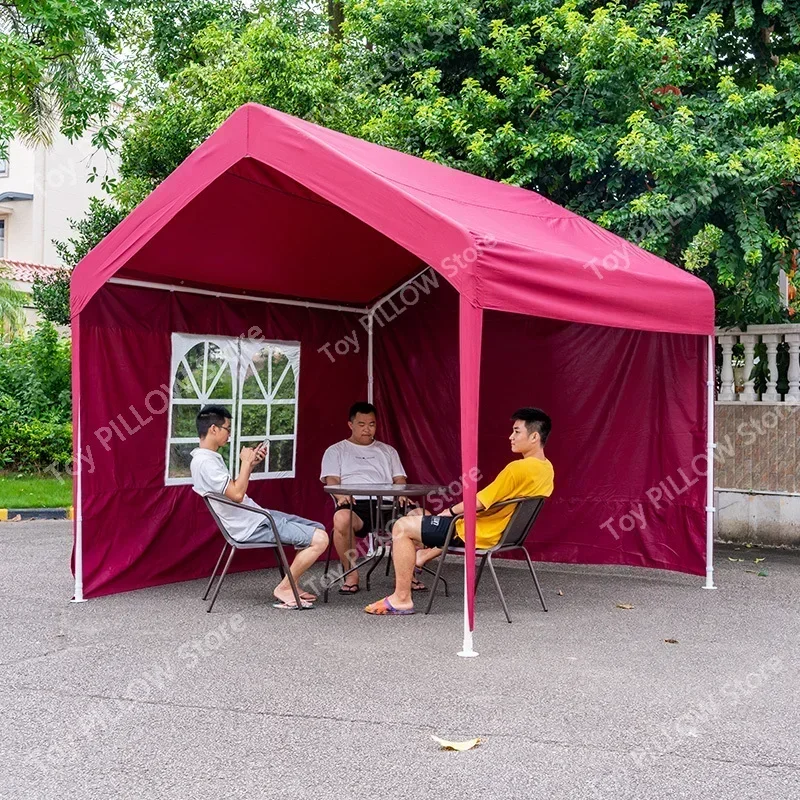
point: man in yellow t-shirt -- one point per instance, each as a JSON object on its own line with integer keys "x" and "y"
{"x": 529, "y": 476}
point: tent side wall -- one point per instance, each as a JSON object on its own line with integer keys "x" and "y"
{"x": 137, "y": 531}
{"x": 629, "y": 425}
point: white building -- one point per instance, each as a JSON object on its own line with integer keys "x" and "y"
{"x": 41, "y": 188}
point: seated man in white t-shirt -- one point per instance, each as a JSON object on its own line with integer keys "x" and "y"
{"x": 358, "y": 460}
{"x": 210, "y": 474}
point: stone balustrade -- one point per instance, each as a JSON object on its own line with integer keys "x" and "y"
{"x": 739, "y": 382}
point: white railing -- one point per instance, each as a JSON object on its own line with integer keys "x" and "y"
{"x": 736, "y": 380}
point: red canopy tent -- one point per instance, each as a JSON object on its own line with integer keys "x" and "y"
{"x": 337, "y": 245}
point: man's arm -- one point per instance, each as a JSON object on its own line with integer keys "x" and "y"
{"x": 501, "y": 488}
{"x": 399, "y": 477}
{"x": 458, "y": 508}
{"x": 237, "y": 489}
{"x": 335, "y": 480}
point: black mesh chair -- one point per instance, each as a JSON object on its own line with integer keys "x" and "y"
{"x": 513, "y": 538}
{"x": 283, "y": 563}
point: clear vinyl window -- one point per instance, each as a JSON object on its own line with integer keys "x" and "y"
{"x": 257, "y": 381}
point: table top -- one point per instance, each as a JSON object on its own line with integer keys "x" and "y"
{"x": 386, "y": 489}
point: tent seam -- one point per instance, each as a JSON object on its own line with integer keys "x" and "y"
{"x": 568, "y": 215}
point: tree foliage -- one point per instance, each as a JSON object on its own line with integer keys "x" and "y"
{"x": 12, "y": 317}
{"x": 35, "y": 374}
{"x": 673, "y": 124}
{"x": 274, "y": 61}
{"x": 57, "y": 68}
{"x": 51, "y": 294}
{"x": 35, "y": 401}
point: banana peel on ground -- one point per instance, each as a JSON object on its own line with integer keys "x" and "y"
{"x": 459, "y": 747}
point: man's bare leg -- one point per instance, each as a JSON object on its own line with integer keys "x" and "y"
{"x": 406, "y": 538}
{"x": 426, "y": 554}
{"x": 302, "y": 561}
{"x": 344, "y": 544}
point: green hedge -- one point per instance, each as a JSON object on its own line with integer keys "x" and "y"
{"x": 35, "y": 402}
{"x": 35, "y": 444}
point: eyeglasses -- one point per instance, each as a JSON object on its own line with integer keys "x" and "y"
{"x": 223, "y": 428}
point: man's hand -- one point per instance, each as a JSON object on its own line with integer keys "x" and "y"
{"x": 335, "y": 480}
{"x": 251, "y": 456}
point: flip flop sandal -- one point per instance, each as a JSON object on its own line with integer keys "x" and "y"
{"x": 292, "y": 606}
{"x": 349, "y": 588}
{"x": 383, "y": 608}
{"x": 416, "y": 584}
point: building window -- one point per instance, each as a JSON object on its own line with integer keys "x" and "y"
{"x": 256, "y": 380}
{"x": 2, "y": 238}
{"x": 3, "y": 167}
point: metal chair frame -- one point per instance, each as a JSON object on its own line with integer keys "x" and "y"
{"x": 378, "y": 548}
{"x": 283, "y": 562}
{"x": 513, "y": 538}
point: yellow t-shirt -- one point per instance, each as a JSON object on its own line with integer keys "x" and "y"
{"x": 526, "y": 477}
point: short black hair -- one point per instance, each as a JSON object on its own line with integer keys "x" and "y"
{"x": 211, "y": 415}
{"x": 536, "y": 421}
{"x": 361, "y": 408}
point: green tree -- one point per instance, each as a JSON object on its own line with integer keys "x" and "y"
{"x": 57, "y": 68}
{"x": 277, "y": 57}
{"x": 51, "y": 294}
{"x": 274, "y": 59}
{"x": 11, "y": 301}
{"x": 35, "y": 401}
{"x": 35, "y": 373}
{"x": 673, "y": 124}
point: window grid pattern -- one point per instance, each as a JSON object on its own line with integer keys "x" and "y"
{"x": 257, "y": 381}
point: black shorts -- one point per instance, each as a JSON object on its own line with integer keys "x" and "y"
{"x": 361, "y": 508}
{"x": 434, "y": 532}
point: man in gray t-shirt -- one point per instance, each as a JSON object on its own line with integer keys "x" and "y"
{"x": 210, "y": 474}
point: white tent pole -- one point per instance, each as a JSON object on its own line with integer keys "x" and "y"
{"x": 710, "y": 382}
{"x": 370, "y": 356}
{"x": 467, "y": 647}
{"x": 78, "y": 513}
{"x": 168, "y": 287}
{"x": 400, "y": 288}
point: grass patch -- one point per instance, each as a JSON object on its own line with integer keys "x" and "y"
{"x": 34, "y": 491}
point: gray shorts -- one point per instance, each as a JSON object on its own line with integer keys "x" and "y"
{"x": 293, "y": 530}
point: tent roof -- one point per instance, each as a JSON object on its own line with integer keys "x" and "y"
{"x": 273, "y": 205}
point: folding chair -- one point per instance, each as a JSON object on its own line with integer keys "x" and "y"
{"x": 378, "y": 547}
{"x": 513, "y": 538}
{"x": 283, "y": 563}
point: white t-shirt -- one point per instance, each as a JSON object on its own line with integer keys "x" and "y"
{"x": 209, "y": 474}
{"x": 361, "y": 463}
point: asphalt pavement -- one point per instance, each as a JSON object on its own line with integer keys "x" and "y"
{"x": 688, "y": 694}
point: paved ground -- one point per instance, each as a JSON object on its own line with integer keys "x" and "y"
{"x": 143, "y": 695}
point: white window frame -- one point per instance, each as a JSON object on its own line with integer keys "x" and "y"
{"x": 239, "y": 353}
